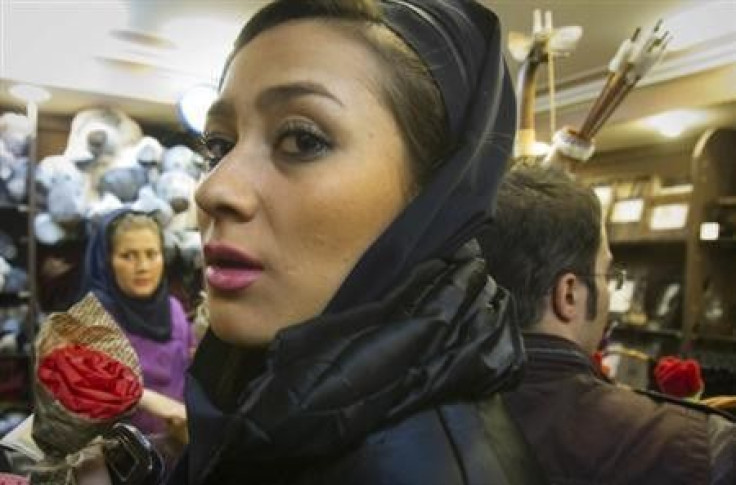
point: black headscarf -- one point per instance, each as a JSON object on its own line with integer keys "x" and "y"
{"x": 460, "y": 41}
{"x": 298, "y": 396}
{"x": 148, "y": 317}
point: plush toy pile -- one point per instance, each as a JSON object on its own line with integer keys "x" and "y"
{"x": 15, "y": 130}
{"x": 108, "y": 163}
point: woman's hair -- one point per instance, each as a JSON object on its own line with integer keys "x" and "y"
{"x": 132, "y": 221}
{"x": 407, "y": 88}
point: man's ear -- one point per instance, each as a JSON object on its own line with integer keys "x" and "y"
{"x": 566, "y": 297}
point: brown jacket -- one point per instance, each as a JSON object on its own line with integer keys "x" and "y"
{"x": 586, "y": 430}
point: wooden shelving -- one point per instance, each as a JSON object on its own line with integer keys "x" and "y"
{"x": 4, "y": 206}
{"x": 713, "y": 338}
{"x": 703, "y": 171}
{"x": 646, "y": 330}
{"x": 649, "y": 241}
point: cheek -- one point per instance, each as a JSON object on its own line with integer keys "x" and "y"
{"x": 343, "y": 219}
{"x": 121, "y": 272}
{"x": 158, "y": 267}
{"x": 604, "y": 298}
{"x": 203, "y": 220}
{"x": 329, "y": 228}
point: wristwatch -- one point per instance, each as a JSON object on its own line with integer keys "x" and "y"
{"x": 130, "y": 457}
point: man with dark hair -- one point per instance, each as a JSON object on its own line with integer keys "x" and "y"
{"x": 549, "y": 248}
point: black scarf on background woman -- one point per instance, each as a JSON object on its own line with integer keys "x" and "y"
{"x": 380, "y": 350}
{"x": 147, "y": 317}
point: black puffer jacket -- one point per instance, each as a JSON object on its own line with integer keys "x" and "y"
{"x": 398, "y": 393}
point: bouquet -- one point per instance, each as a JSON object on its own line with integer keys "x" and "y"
{"x": 87, "y": 377}
{"x": 679, "y": 378}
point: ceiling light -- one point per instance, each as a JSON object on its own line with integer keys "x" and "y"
{"x": 29, "y": 93}
{"x": 673, "y": 123}
{"x": 706, "y": 22}
{"x": 193, "y": 106}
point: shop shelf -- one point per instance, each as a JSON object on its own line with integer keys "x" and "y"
{"x": 646, "y": 330}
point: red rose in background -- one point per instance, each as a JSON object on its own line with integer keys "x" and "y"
{"x": 679, "y": 378}
{"x": 598, "y": 362}
{"x": 89, "y": 382}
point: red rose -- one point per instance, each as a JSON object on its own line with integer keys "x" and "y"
{"x": 598, "y": 362}
{"x": 679, "y": 378}
{"x": 89, "y": 382}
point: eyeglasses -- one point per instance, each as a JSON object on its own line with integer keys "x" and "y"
{"x": 616, "y": 276}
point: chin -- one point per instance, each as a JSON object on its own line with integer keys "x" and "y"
{"x": 238, "y": 332}
{"x": 143, "y": 294}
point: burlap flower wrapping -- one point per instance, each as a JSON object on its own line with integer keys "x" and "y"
{"x": 86, "y": 335}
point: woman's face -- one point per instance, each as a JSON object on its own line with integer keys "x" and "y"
{"x": 137, "y": 262}
{"x": 309, "y": 168}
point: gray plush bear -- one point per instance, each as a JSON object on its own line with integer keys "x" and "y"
{"x": 63, "y": 187}
{"x": 15, "y": 132}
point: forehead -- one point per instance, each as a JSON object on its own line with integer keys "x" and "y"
{"x": 136, "y": 238}
{"x": 304, "y": 50}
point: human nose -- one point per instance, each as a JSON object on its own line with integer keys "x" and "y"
{"x": 227, "y": 192}
{"x": 142, "y": 263}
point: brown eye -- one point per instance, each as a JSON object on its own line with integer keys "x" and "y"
{"x": 302, "y": 141}
{"x": 214, "y": 148}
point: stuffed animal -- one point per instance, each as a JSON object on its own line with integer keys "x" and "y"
{"x": 8, "y": 249}
{"x": 4, "y": 270}
{"x": 16, "y": 185}
{"x": 182, "y": 158}
{"x": 12, "y": 279}
{"x": 63, "y": 187}
{"x": 107, "y": 203}
{"x": 123, "y": 182}
{"x": 148, "y": 153}
{"x": 96, "y": 141}
{"x": 181, "y": 168}
{"x": 189, "y": 245}
{"x": 150, "y": 203}
{"x": 12, "y": 171}
{"x": 15, "y": 131}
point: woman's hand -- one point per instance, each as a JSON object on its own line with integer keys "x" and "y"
{"x": 93, "y": 471}
{"x": 170, "y": 410}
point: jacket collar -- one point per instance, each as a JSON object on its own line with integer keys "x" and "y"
{"x": 553, "y": 353}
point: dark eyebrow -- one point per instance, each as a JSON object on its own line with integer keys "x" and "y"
{"x": 221, "y": 109}
{"x": 285, "y": 92}
{"x": 279, "y": 94}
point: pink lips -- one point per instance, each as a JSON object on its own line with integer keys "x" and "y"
{"x": 229, "y": 269}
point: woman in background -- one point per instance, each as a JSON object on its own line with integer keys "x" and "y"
{"x": 125, "y": 270}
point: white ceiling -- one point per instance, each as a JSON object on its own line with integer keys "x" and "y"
{"x": 140, "y": 55}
